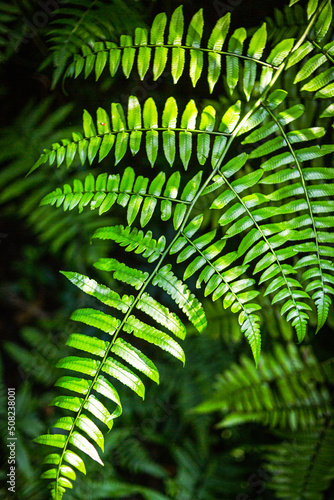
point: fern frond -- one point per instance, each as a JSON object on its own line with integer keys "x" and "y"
{"x": 108, "y": 324}
{"x": 308, "y": 202}
{"x": 136, "y": 193}
{"x": 104, "y": 353}
{"x": 297, "y": 463}
{"x": 98, "y": 319}
{"x": 162, "y": 315}
{"x": 323, "y": 21}
{"x": 126, "y": 133}
{"x": 136, "y": 358}
{"x": 318, "y": 69}
{"x": 287, "y": 390}
{"x": 166, "y": 280}
{"x": 151, "y": 46}
{"x": 154, "y": 336}
{"x": 222, "y": 324}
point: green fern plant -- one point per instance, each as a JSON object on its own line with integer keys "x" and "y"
{"x": 274, "y": 206}
{"x": 290, "y": 389}
{"x": 298, "y": 462}
{"x": 292, "y": 393}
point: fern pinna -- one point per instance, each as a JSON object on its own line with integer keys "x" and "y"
{"x": 273, "y": 203}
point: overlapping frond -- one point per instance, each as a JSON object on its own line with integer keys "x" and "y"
{"x": 103, "y": 361}
{"x": 284, "y": 222}
{"x": 289, "y": 389}
{"x": 231, "y": 284}
{"x": 166, "y": 280}
{"x": 153, "y": 47}
{"x": 321, "y": 61}
{"x": 222, "y": 324}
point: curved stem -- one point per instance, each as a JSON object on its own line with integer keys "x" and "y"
{"x": 185, "y": 47}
